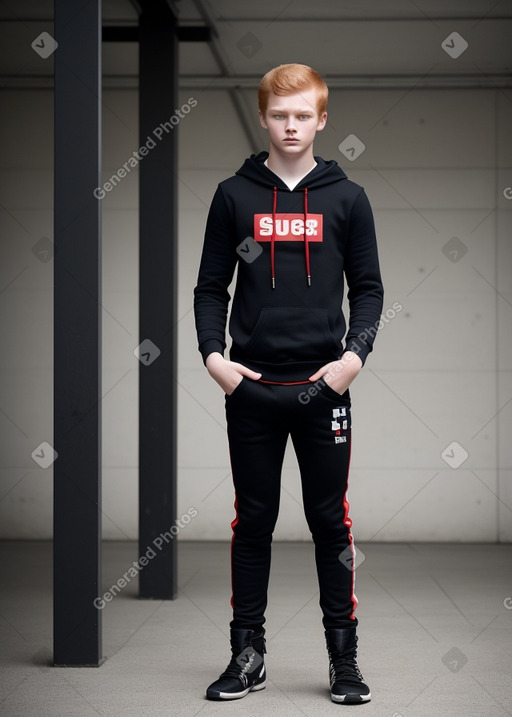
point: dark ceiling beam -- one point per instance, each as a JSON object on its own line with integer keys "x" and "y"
{"x": 316, "y": 19}
{"x": 343, "y": 19}
{"x": 130, "y": 33}
{"x": 488, "y": 81}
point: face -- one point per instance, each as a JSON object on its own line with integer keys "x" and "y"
{"x": 292, "y": 121}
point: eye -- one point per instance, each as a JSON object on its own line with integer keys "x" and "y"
{"x": 304, "y": 117}
{"x": 278, "y": 116}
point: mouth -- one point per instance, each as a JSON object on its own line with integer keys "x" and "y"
{"x": 291, "y": 139}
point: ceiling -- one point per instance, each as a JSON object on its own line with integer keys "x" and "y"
{"x": 352, "y": 43}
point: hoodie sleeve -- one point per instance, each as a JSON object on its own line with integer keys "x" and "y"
{"x": 365, "y": 290}
{"x": 218, "y": 261}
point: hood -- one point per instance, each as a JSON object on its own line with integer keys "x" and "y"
{"x": 324, "y": 173}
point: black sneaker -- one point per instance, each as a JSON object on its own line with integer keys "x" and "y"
{"x": 346, "y": 680}
{"x": 246, "y": 671}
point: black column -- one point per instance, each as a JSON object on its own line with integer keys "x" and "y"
{"x": 77, "y": 334}
{"x": 157, "y": 286}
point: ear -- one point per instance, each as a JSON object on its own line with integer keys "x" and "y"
{"x": 262, "y": 120}
{"x": 322, "y": 122}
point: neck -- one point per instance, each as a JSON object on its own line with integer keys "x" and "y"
{"x": 296, "y": 165}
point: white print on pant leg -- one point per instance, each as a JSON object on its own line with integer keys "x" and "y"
{"x": 337, "y": 426}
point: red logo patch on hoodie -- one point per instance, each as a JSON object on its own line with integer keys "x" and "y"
{"x": 289, "y": 227}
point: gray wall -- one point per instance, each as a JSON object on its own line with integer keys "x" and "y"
{"x": 435, "y": 167}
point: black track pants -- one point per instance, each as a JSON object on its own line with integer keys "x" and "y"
{"x": 260, "y": 417}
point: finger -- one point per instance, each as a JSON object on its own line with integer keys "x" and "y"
{"x": 250, "y": 373}
{"x": 245, "y": 371}
{"x": 316, "y": 376}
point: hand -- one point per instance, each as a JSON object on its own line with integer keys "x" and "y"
{"x": 339, "y": 374}
{"x": 228, "y": 374}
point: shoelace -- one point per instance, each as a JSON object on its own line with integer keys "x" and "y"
{"x": 344, "y": 665}
{"x": 234, "y": 669}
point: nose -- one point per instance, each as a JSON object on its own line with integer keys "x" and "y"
{"x": 290, "y": 125}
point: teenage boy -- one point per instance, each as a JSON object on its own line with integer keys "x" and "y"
{"x": 294, "y": 224}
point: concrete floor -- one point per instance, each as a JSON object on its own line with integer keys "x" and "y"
{"x": 435, "y": 636}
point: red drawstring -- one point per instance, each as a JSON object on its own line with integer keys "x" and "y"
{"x": 272, "y": 241}
{"x": 273, "y": 238}
{"x": 306, "y": 241}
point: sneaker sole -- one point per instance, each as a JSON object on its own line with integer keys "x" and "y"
{"x": 236, "y": 695}
{"x": 351, "y": 699}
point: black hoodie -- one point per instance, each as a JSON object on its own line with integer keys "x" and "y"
{"x": 292, "y": 248}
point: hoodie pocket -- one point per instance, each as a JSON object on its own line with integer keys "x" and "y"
{"x": 292, "y": 334}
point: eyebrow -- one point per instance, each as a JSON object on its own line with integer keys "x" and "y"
{"x": 280, "y": 109}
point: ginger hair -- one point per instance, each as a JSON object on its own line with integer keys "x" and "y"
{"x": 290, "y": 79}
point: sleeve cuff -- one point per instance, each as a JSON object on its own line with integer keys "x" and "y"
{"x": 209, "y": 346}
{"x": 359, "y": 347}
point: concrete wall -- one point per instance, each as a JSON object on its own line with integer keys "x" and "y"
{"x": 435, "y": 167}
